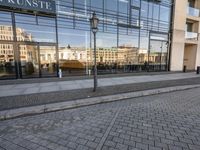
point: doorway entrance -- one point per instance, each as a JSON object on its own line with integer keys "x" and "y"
{"x": 190, "y": 56}
{"x": 158, "y": 52}
{"x": 37, "y": 60}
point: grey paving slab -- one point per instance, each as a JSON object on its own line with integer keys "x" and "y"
{"x": 7, "y": 87}
{"x": 70, "y": 92}
{"x": 12, "y": 92}
{"x": 24, "y": 89}
{"x": 24, "y": 86}
{"x": 32, "y": 90}
{"x": 48, "y": 89}
{"x": 65, "y": 82}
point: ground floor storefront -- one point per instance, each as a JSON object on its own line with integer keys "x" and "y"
{"x": 34, "y": 45}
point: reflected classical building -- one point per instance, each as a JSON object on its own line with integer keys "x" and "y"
{"x": 127, "y": 54}
{"x": 7, "y": 50}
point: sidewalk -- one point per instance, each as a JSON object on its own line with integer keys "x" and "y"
{"x": 34, "y": 98}
{"x": 66, "y": 91}
{"x": 33, "y": 88}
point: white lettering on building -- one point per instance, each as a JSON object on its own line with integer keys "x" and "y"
{"x": 41, "y": 4}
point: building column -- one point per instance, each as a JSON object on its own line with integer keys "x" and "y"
{"x": 178, "y": 39}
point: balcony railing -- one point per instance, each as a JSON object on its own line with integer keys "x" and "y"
{"x": 193, "y": 11}
{"x": 191, "y": 36}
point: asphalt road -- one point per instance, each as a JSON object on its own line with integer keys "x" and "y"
{"x": 165, "y": 121}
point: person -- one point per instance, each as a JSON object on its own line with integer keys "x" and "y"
{"x": 145, "y": 65}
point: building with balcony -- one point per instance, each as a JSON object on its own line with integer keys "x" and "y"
{"x": 185, "y": 49}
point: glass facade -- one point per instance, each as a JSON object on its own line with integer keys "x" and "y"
{"x": 132, "y": 36}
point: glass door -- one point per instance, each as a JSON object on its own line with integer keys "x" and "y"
{"x": 29, "y": 62}
{"x": 158, "y": 55}
{"x": 48, "y": 61}
{"x": 158, "y": 51}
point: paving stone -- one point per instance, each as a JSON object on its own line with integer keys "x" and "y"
{"x": 72, "y": 145}
{"x": 81, "y": 141}
{"x": 168, "y": 116}
{"x": 91, "y": 144}
{"x": 110, "y": 143}
{"x": 154, "y": 148}
{"x": 141, "y": 145}
{"x": 118, "y": 140}
{"x": 121, "y": 146}
{"x": 81, "y": 147}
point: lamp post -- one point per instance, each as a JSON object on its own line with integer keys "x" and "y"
{"x": 161, "y": 48}
{"x": 94, "y": 27}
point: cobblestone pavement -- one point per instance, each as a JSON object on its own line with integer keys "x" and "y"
{"x": 165, "y": 121}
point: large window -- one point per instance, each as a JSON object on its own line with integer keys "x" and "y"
{"x": 35, "y": 28}
{"x": 48, "y": 60}
{"x": 135, "y": 3}
{"x": 158, "y": 47}
{"x": 107, "y": 54}
{"x": 6, "y": 30}
{"x": 29, "y": 60}
{"x": 7, "y": 63}
{"x": 7, "y": 60}
{"x": 97, "y": 5}
{"x": 110, "y": 6}
{"x": 74, "y": 51}
{"x": 123, "y": 43}
{"x": 164, "y": 13}
{"x": 128, "y": 49}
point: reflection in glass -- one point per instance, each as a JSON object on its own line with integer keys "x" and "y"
{"x": 97, "y": 5}
{"x": 110, "y": 6}
{"x": 6, "y": 31}
{"x": 158, "y": 55}
{"x": 144, "y": 9}
{"x": 143, "y": 51}
{"x": 29, "y": 60}
{"x": 135, "y": 3}
{"x": 123, "y": 7}
{"x": 48, "y": 60}
{"x": 128, "y": 51}
{"x": 35, "y": 28}
{"x": 164, "y": 13}
{"x": 74, "y": 57}
{"x": 119, "y": 47}
{"x": 7, "y": 64}
{"x": 107, "y": 54}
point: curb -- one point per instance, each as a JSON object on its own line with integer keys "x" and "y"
{"x": 33, "y": 110}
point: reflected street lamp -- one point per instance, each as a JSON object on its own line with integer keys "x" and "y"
{"x": 94, "y": 27}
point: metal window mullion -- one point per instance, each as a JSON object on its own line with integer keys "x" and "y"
{"x": 74, "y": 17}
{"x": 15, "y": 47}
{"x": 57, "y": 48}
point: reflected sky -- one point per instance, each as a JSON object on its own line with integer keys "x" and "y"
{"x": 43, "y": 29}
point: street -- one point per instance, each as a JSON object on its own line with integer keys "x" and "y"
{"x": 166, "y": 121}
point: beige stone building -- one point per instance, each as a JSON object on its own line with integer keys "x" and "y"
{"x": 185, "y": 50}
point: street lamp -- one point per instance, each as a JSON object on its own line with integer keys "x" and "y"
{"x": 161, "y": 49}
{"x": 94, "y": 27}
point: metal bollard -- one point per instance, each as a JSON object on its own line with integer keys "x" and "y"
{"x": 198, "y": 69}
{"x": 60, "y": 73}
{"x": 89, "y": 72}
{"x": 184, "y": 68}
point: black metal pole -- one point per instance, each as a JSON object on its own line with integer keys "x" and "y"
{"x": 161, "y": 55}
{"x": 95, "y": 64}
